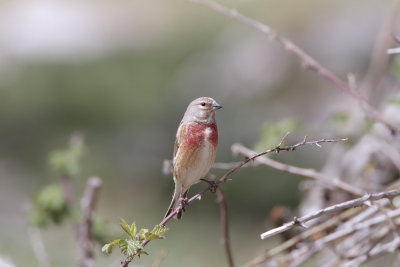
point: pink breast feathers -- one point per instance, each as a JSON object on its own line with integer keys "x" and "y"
{"x": 198, "y": 133}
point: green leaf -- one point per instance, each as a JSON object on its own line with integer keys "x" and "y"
{"x": 157, "y": 232}
{"x": 142, "y": 233}
{"x": 133, "y": 229}
{"x": 50, "y": 205}
{"x": 159, "y": 229}
{"x": 130, "y": 247}
{"x": 130, "y": 230}
{"x": 140, "y": 252}
{"x": 51, "y": 198}
{"x": 107, "y": 248}
{"x": 67, "y": 161}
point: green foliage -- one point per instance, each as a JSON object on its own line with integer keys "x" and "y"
{"x": 49, "y": 202}
{"x": 49, "y": 206}
{"x": 143, "y": 233}
{"x": 132, "y": 246}
{"x": 66, "y": 161}
{"x": 271, "y": 134}
{"x": 107, "y": 248}
{"x": 157, "y": 232}
{"x": 130, "y": 230}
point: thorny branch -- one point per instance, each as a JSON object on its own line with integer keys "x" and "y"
{"x": 309, "y": 173}
{"x": 306, "y": 251}
{"x": 88, "y": 202}
{"x": 305, "y": 58}
{"x": 302, "y": 236}
{"x": 225, "y": 177}
{"x": 84, "y": 229}
{"x": 365, "y": 200}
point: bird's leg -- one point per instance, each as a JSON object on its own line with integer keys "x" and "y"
{"x": 183, "y": 199}
{"x": 213, "y": 185}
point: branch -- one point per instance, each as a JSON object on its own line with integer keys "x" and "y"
{"x": 378, "y": 250}
{"x": 307, "y": 60}
{"x": 302, "y": 236}
{"x": 38, "y": 247}
{"x": 160, "y": 258}
{"x": 393, "y": 51}
{"x": 225, "y": 177}
{"x": 309, "y": 173}
{"x": 224, "y": 223}
{"x": 309, "y": 250}
{"x": 68, "y": 189}
{"x": 335, "y": 208}
{"x": 84, "y": 229}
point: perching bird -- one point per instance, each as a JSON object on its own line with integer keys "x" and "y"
{"x": 195, "y": 148}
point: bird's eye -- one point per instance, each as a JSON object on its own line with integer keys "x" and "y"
{"x": 203, "y": 104}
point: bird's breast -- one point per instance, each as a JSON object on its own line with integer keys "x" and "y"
{"x": 199, "y": 134}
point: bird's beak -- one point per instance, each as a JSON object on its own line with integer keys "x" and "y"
{"x": 216, "y": 106}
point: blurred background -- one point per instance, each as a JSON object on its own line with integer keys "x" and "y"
{"x": 123, "y": 72}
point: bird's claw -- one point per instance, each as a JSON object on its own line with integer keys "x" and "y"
{"x": 184, "y": 202}
{"x": 213, "y": 185}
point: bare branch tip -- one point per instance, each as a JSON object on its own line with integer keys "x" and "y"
{"x": 283, "y": 139}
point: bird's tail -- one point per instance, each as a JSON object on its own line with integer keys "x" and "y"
{"x": 175, "y": 203}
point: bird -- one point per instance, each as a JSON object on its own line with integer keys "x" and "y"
{"x": 195, "y": 148}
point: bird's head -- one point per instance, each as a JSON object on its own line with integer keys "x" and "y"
{"x": 202, "y": 110}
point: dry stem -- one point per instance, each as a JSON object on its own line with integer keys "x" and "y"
{"x": 309, "y": 173}
{"x": 84, "y": 229}
{"x": 225, "y": 177}
{"x": 335, "y": 208}
{"x": 224, "y": 223}
{"x": 306, "y": 59}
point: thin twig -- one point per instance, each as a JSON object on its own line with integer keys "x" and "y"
{"x": 84, "y": 233}
{"x": 392, "y": 225}
{"x": 309, "y": 173}
{"x": 378, "y": 250}
{"x": 160, "y": 258}
{"x": 306, "y": 234}
{"x": 393, "y": 51}
{"x": 305, "y": 58}
{"x": 300, "y": 237}
{"x": 225, "y": 177}
{"x": 38, "y": 247}
{"x": 68, "y": 189}
{"x": 230, "y": 165}
{"x": 313, "y": 248}
{"x": 224, "y": 223}
{"x": 335, "y": 208}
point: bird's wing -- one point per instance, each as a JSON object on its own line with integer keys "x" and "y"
{"x": 179, "y": 135}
